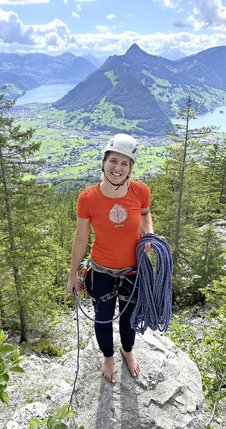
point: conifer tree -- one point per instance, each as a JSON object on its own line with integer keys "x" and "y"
{"x": 187, "y": 145}
{"x": 214, "y": 177}
{"x": 28, "y": 252}
{"x": 15, "y": 149}
{"x": 181, "y": 201}
{"x": 61, "y": 228}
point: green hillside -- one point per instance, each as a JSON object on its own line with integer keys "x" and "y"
{"x": 141, "y": 91}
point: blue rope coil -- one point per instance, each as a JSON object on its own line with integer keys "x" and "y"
{"x": 154, "y": 302}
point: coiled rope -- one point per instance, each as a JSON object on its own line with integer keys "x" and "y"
{"x": 154, "y": 302}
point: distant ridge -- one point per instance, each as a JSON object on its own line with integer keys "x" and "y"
{"x": 26, "y": 71}
{"x": 140, "y": 92}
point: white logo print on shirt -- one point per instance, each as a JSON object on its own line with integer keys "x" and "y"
{"x": 118, "y": 214}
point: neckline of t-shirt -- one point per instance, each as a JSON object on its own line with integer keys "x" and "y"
{"x": 112, "y": 198}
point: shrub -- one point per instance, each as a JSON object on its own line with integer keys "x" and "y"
{"x": 10, "y": 360}
{"x": 55, "y": 421}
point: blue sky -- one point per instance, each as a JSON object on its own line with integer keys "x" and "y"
{"x": 169, "y": 28}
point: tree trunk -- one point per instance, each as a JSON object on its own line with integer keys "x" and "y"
{"x": 181, "y": 190}
{"x": 12, "y": 252}
{"x": 2, "y": 312}
{"x": 21, "y": 305}
{"x": 223, "y": 185}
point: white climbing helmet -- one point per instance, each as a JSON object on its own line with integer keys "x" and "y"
{"x": 124, "y": 144}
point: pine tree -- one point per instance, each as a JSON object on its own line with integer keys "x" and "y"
{"x": 28, "y": 252}
{"x": 184, "y": 155}
{"x": 182, "y": 195}
{"x": 214, "y": 176}
{"x": 15, "y": 149}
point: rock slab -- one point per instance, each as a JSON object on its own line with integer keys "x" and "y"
{"x": 167, "y": 394}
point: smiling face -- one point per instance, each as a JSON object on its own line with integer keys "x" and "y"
{"x": 117, "y": 167}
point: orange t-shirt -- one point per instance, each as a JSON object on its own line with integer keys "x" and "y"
{"x": 116, "y": 223}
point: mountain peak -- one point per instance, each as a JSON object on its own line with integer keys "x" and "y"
{"x": 67, "y": 55}
{"x": 135, "y": 49}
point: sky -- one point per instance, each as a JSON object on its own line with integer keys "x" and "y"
{"x": 167, "y": 28}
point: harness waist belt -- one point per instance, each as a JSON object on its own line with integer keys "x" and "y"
{"x": 117, "y": 274}
{"x": 112, "y": 271}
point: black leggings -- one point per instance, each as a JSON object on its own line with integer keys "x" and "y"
{"x": 102, "y": 285}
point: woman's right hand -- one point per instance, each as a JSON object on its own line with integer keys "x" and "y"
{"x": 73, "y": 285}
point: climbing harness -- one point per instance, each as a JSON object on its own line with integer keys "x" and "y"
{"x": 153, "y": 306}
{"x": 117, "y": 274}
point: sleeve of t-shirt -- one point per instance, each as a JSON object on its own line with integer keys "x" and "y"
{"x": 83, "y": 210}
{"x": 146, "y": 196}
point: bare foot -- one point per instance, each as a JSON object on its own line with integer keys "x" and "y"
{"x": 108, "y": 369}
{"x": 132, "y": 363}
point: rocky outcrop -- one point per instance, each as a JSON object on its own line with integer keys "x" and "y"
{"x": 166, "y": 395}
{"x": 220, "y": 228}
{"x": 29, "y": 411}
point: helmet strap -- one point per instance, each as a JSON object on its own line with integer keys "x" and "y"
{"x": 113, "y": 184}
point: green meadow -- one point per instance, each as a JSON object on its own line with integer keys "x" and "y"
{"x": 72, "y": 152}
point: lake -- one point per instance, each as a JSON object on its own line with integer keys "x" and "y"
{"x": 52, "y": 93}
{"x": 45, "y": 93}
{"x": 216, "y": 118}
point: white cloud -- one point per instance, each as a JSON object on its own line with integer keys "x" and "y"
{"x": 111, "y": 16}
{"x": 155, "y": 44}
{"x": 169, "y": 4}
{"x": 75, "y": 14}
{"x": 78, "y": 9}
{"x": 13, "y": 30}
{"x": 208, "y": 13}
{"x": 52, "y": 39}
{"x": 23, "y": 2}
{"x": 55, "y": 37}
{"x": 102, "y": 28}
{"x": 15, "y": 36}
{"x": 54, "y": 27}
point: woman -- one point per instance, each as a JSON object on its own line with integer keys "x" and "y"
{"x": 118, "y": 211}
